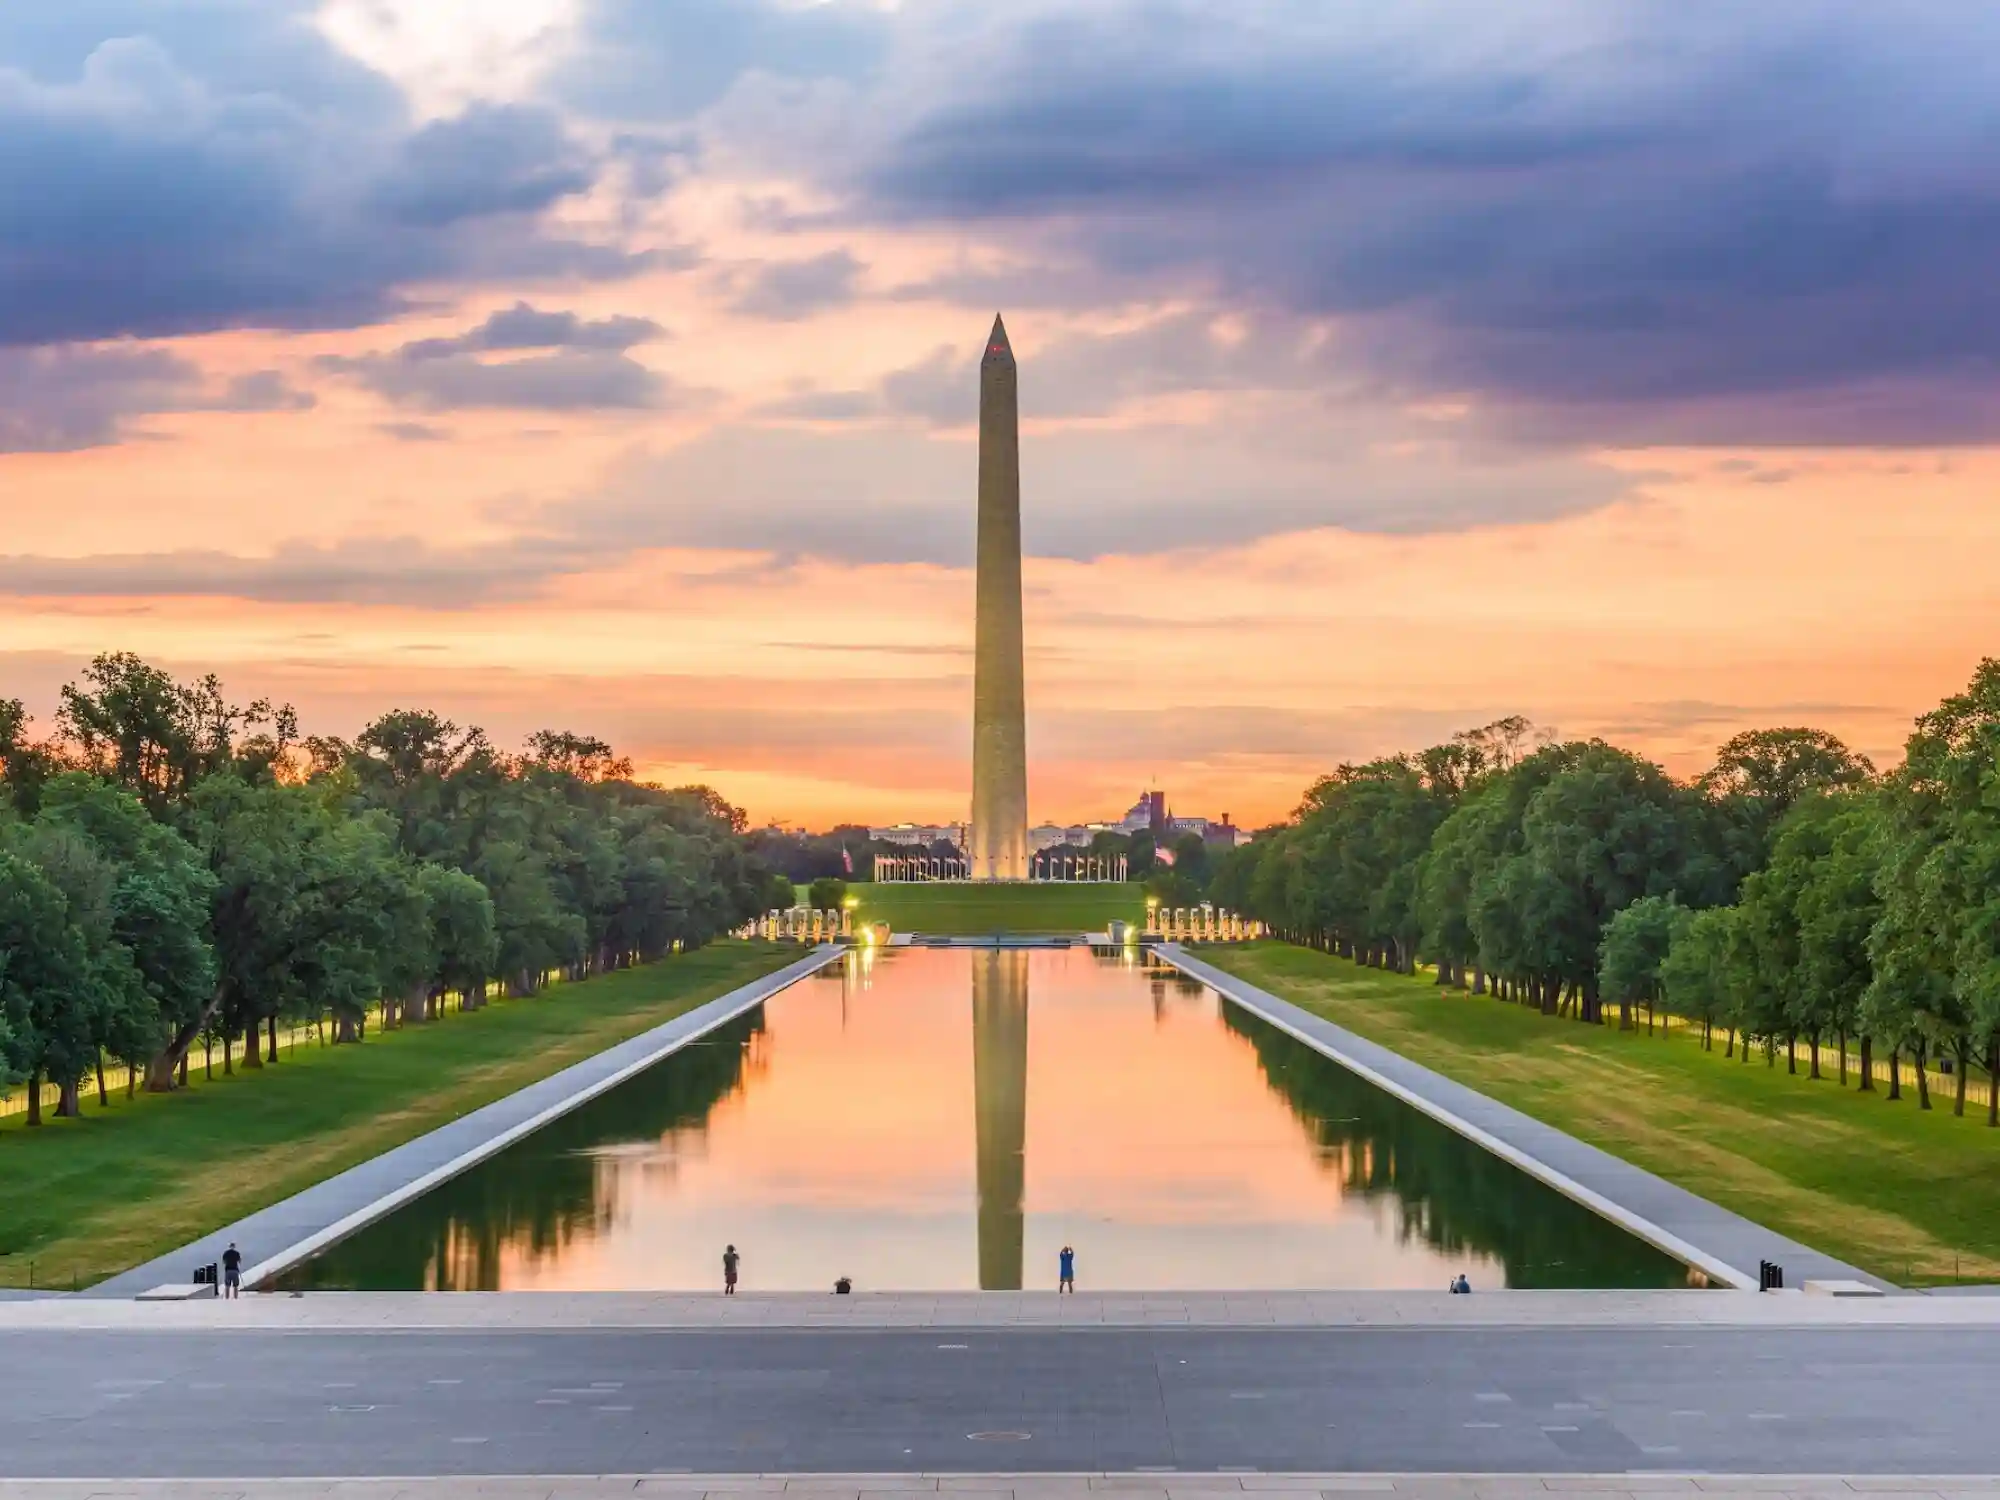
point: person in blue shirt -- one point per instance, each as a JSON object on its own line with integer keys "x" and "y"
{"x": 1066, "y": 1268}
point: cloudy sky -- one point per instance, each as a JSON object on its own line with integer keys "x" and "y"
{"x": 611, "y": 364}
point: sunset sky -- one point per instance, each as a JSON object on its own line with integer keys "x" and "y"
{"x": 611, "y": 365}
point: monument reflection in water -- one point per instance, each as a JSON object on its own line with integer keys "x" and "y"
{"x": 898, "y": 1121}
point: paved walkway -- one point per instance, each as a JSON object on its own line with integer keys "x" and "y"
{"x": 1725, "y": 1245}
{"x": 377, "y": 1402}
{"x": 1144, "y": 1485}
{"x": 526, "y": 1311}
{"x": 286, "y": 1233}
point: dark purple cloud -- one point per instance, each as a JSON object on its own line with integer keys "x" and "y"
{"x": 1644, "y": 222}
{"x": 786, "y": 290}
{"x": 64, "y": 399}
{"x": 218, "y": 164}
{"x": 569, "y": 364}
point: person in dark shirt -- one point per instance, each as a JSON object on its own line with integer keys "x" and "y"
{"x": 730, "y": 1260}
{"x": 1066, "y": 1272}
{"x": 232, "y": 1271}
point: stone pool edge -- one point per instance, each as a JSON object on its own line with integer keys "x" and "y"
{"x": 1695, "y": 1224}
{"x": 329, "y": 1211}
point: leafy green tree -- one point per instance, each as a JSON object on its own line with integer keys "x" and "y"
{"x": 50, "y": 982}
{"x": 1935, "y": 948}
{"x": 24, "y": 765}
{"x": 133, "y": 724}
{"x": 827, "y": 894}
{"x": 1636, "y": 943}
{"x": 1807, "y": 915}
{"x": 1191, "y": 861}
{"x": 1606, "y": 829}
{"x": 1363, "y": 832}
{"x": 464, "y": 938}
{"x": 1759, "y": 774}
{"x": 159, "y": 902}
{"x": 1699, "y": 977}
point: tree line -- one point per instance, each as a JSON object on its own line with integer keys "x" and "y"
{"x": 177, "y": 869}
{"x": 1789, "y": 894}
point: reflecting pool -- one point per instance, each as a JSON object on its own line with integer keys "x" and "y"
{"x": 937, "y": 1119}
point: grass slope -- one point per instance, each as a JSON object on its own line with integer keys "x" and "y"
{"x": 1912, "y": 1197}
{"x": 960, "y": 910}
{"x": 84, "y": 1199}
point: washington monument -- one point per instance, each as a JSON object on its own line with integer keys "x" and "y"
{"x": 999, "y": 837}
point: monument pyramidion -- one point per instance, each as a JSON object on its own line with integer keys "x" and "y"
{"x": 998, "y": 839}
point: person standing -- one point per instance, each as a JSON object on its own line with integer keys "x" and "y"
{"x": 232, "y": 1271}
{"x": 1066, "y": 1272}
{"x": 730, "y": 1260}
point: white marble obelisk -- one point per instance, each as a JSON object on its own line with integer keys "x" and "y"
{"x": 999, "y": 834}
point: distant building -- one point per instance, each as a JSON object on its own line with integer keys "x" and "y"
{"x": 1147, "y": 815}
{"x": 1216, "y": 833}
{"x": 920, "y": 835}
{"x": 1150, "y": 815}
{"x": 1067, "y": 835}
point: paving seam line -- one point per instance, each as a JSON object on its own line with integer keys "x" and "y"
{"x": 726, "y": 1008}
{"x": 1123, "y": 1479}
{"x": 1259, "y": 1003}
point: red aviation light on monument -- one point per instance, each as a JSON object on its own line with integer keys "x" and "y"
{"x": 997, "y": 347}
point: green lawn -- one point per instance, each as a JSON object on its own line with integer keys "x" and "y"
{"x": 954, "y": 909}
{"x": 84, "y": 1199}
{"x": 1913, "y": 1197}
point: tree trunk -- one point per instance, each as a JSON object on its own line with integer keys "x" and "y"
{"x": 184, "y": 1070}
{"x": 34, "y": 1097}
{"x": 1993, "y": 1084}
{"x": 1624, "y": 1013}
{"x": 1866, "y": 1066}
{"x": 1843, "y": 1057}
{"x": 1730, "y": 1049}
{"x": 228, "y": 1067}
{"x": 1812, "y": 1041}
{"x": 160, "y": 1070}
{"x": 103, "y": 1099}
{"x": 1958, "y": 1101}
{"x": 1791, "y": 1054}
{"x": 1923, "y": 1079}
{"x": 1895, "y": 1072}
{"x": 1478, "y": 980}
{"x": 1707, "y": 1040}
{"x": 69, "y": 1104}
{"x": 271, "y": 1030}
{"x": 253, "y": 1054}
{"x": 344, "y": 1029}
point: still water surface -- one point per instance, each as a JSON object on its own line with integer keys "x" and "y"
{"x": 937, "y": 1119}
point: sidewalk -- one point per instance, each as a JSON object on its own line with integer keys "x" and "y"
{"x": 1148, "y": 1485}
{"x": 526, "y": 1311}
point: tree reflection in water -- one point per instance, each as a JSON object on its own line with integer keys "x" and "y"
{"x": 1451, "y": 1194}
{"x": 554, "y": 1188}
